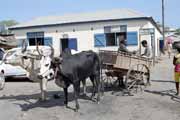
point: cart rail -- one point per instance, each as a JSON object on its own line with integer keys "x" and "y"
{"x": 122, "y": 60}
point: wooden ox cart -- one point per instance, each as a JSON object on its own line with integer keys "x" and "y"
{"x": 133, "y": 70}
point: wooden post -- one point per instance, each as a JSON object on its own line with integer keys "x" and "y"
{"x": 163, "y": 26}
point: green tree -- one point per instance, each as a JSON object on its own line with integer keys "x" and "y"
{"x": 8, "y": 23}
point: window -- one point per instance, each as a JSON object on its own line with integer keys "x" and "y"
{"x": 35, "y": 37}
{"x": 112, "y": 29}
{"x": 121, "y": 36}
{"x": 110, "y": 39}
{"x": 113, "y": 32}
{"x": 107, "y": 29}
{"x": 111, "y": 36}
{"x": 115, "y": 28}
{"x": 33, "y": 41}
{"x": 123, "y": 28}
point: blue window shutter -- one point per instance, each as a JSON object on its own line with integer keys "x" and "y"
{"x": 72, "y": 43}
{"x": 99, "y": 40}
{"x": 132, "y": 38}
{"x": 47, "y": 41}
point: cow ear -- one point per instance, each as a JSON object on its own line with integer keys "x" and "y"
{"x": 57, "y": 60}
{"x": 60, "y": 60}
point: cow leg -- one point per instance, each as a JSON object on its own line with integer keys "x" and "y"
{"x": 43, "y": 87}
{"x": 84, "y": 87}
{"x": 98, "y": 97}
{"x": 98, "y": 86}
{"x": 76, "y": 87}
{"x": 94, "y": 86}
{"x": 66, "y": 96}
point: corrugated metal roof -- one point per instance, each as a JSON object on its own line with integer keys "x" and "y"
{"x": 83, "y": 17}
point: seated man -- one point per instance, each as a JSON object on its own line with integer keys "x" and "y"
{"x": 123, "y": 48}
{"x": 147, "y": 51}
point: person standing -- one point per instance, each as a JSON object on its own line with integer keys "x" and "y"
{"x": 168, "y": 45}
{"x": 176, "y": 62}
{"x": 169, "y": 49}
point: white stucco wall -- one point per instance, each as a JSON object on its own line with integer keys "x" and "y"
{"x": 84, "y": 34}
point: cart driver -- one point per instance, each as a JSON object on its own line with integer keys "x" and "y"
{"x": 122, "y": 45}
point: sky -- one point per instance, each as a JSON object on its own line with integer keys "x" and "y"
{"x": 25, "y": 10}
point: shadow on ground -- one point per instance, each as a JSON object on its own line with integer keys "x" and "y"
{"x": 171, "y": 93}
{"x": 27, "y": 102}
{"x": 163, "y": 81}
{"x": 13, "y": 79}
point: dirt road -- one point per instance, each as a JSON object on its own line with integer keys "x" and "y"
{"x": 18, "y": 101}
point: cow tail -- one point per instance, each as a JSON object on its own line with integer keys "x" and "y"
{"x": 100, "y": 73}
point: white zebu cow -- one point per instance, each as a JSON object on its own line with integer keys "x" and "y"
{"x": 36, "y": 61}
{"x": 45, "y": 72}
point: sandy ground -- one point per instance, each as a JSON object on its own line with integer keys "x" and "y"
{"x": 18, "y": 101}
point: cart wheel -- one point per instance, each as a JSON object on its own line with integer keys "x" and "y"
{"x": 2, "y": 81}
{"x": 138, "y": 76}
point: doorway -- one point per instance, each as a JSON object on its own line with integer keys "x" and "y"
{"x": 64, "y": 43}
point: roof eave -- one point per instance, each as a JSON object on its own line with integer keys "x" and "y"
{"x": 82, "y": 22}
{"x": 155, "y": 24}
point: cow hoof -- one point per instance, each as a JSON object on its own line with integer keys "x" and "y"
{"x": 84, "y": 95}
{"x": 93, "y": 99}
{"x": 42, "y": 100}
{"x": 65, "y": 103}
{"x": 75, "y": 110}
{"x": 66, "y": 106}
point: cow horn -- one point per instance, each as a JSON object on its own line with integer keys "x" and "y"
{"x": 52, "y": 50}
{"x": 24, "y": 46}
{"x": 37, "y": 48}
